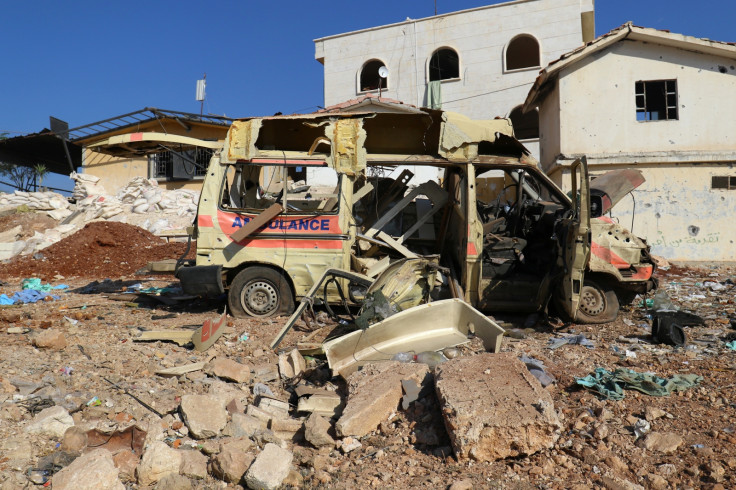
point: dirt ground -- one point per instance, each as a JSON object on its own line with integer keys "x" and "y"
{"x": 100, "y": 319}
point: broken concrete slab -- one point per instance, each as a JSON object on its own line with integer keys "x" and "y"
{"x": 50, "y": 339}
{"x": 193, "y": 464}
{"x": 291, "y": 364}
{"x": 52, "y": 421}
{"x": 228, "y": 369}
{"x": 92, "y": 471}
{"x": 325, "y": 403}
{"x": 374, "y": 393}
{"x": 661, "y": 442}
{"x": 158, "y": 461}
{"x": 242, "y": 424}
{"x": 316, "y": 431}
{"x": 204, "y": 415}
{"x": 494, "y": 408}
{"x": 270, "y": 468}
{"x": 233, "y": 460}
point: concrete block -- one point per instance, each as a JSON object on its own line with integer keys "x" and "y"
{"x": 270, "y": 468}
{"x": 374, "y": 394}
{"x": 493, "y": 408}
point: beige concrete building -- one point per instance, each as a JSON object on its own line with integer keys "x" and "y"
{"x": 479, "y": 62}
{"x": 660, "y": 102}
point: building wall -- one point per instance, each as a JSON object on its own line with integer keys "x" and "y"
{"x": 598, "y": 110}
{"x": 678, "y": 213}
{"x": 115, "y": 172}
{"x": 484, "y": 89}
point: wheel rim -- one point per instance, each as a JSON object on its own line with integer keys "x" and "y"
{"x": 259, "y": 298}
{"x": 592, "y": 301}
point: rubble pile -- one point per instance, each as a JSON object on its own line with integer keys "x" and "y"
{"x": 141, "y": 202}
{"x": 100, "y": 249}
{"x": 83, "y": 398}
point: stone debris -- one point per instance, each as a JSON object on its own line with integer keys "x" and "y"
{"x": 217, "y": 428}
{"x": 158, "y": 461}
{"x": 229, "y": 370}
{"x": 661, "y": 442}
{"x": 50, "y": 339}
{"x": 52, "y": 421}
{"x": 494, "y": 408}
{"x": 316, "y": 431}
{"x": 270, "y": 468}
{"x": 375, "y": 393}
{"x": 92, "y": 471}
{"x": 233, "y": 459}
{"x": 204, "y": 415}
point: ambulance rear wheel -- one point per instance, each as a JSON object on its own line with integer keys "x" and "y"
{"x": 260, "y": 292}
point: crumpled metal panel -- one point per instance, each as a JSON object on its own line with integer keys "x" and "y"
{"x": 427, "y": 327}
{"x": 460, "y": 135}
{"x": 240, "y": 143}
{"x": 348, "y": 150}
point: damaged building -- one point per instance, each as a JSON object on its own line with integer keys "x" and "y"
{"x": 479, "y": 62}
{"x": 651, "y": 100}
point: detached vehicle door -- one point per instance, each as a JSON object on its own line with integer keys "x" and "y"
{"x": 574, "y": 236}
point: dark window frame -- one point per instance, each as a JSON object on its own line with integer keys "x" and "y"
{"x": 516, "y": 53}
{"x": 444, "y": 65}
{"x": 366, "y": 83}
{"x": 162, "y": 164}
{"x": 723, "y": 182}
{"x": 656, "y": 100}
{"x": 524, "y": 131}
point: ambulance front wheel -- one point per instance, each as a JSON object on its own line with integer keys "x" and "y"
{"x": 260, "y": 292}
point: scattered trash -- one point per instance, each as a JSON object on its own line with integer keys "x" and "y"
{"x": 611, "y": 385}
{"x": 259, "y": 389}
{"x": 641, "y": 427}
{"x": 571, "y": 339}
{"x": 731, "y": 345}
{"x": 66, "y": 370}
{"x": 94, "y": 402}
{"x": 205, "y": 336}
{"x": 243, "y": 337}
{"x": 35, "y": 284}
{"x": 538, "y": 370}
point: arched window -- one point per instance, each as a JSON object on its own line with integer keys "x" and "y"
{"x": 444, "y": 65}
{"x": 369, "y": 77}
{"x": 522, "y": 52}
{"x": 526, "y": 126}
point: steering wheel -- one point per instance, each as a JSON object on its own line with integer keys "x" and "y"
{"x": 509, "y": 203}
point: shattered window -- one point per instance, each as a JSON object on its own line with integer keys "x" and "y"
{"x": 522, "y": 52}
{"x": 304, "y": 190}
{"x": 369, "y": 77}
{"x": 444, "y": 65}
{"x": 526, "y": 126}
{"x": 723, "y": 182}
{"x": 180, "y": 165}
{"x": 656, "y": 100}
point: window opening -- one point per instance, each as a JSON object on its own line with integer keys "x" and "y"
{"x": 526, "y": 125}
{"x": 444, "y": 65}
{"x": 723, "y": 182}
{"x": 254, "y": 188}
{"x": 369, "y": 77}
{"x": 522, "y": 52}
{"x": 180, "y": 164}
{"x": 656, "y": 100}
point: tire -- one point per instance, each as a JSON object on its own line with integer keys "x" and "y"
{"x": 260, "y": 292}
{"x": 598, "y": 303}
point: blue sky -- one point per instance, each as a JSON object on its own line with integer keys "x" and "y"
{"x": 83, "y": 61}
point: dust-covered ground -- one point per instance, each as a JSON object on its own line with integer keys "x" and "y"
{"x": 96, "y": 322}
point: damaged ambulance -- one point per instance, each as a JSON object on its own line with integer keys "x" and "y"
{"x": 289, "y": 197}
